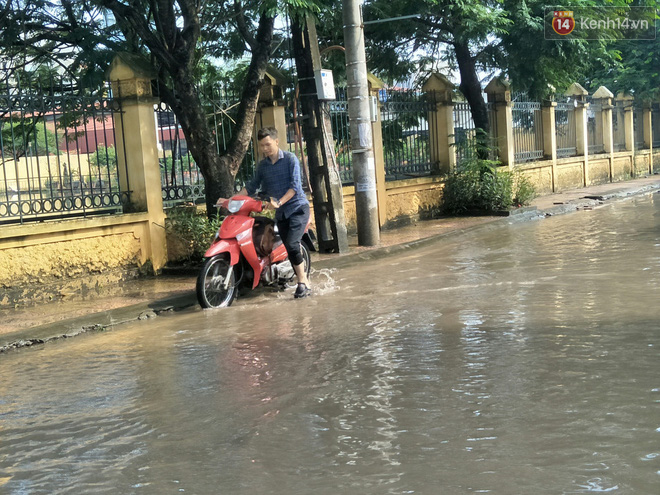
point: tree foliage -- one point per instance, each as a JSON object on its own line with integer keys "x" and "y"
{"x": 75, "y": 37}
{"x": 504, "y": 36}
{"x": 175, "y": 37}
{"x": 105, "y": 158}
{"x": 27, "y": 137}
{"x": 636, "y": 68}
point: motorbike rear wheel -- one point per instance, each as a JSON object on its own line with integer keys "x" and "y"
{"x": 216, "y": 287}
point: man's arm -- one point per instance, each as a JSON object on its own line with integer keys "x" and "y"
{"x": 276, "y": 203}
{"x": 294, "y": 176}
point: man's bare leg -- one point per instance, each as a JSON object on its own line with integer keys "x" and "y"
{"x": 303, "y": 289}
{"x": 301, "y": 274}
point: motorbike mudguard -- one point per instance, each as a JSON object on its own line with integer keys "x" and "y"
{"x": 309, "y": 238}
{"x": 233, "y": 225}
{"x": 279, "y": 254}
{"x": 224, "y": 246}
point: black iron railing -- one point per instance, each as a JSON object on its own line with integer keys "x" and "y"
{"x": 595, "y": 127}
{"x": 341, "y": 134}
{"x": 181, "y": 179}
{"x": 465, "y": 137}
{"x": 618, "y": 126}
{"x": 58, "y": 154}
{"x": 565, "y": 129}
{"x": 527, "y": 129}
{"x": 638, "y": 127}
{"x": 405, "y": 118}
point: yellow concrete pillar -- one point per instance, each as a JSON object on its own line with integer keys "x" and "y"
{"x": 375, "y": 85}
{"x": 604, "y": 96}
{"x": 439, "y": 90}
{"x": 550, "y": 136}
{"x": 579, "y": 96}
{"x": 648, "y": 133}
{"x": 271, "y": 111}
{"x": 628, "y": 123}
{"x": 137, "y": 149}
{"x": 499, "y": 93}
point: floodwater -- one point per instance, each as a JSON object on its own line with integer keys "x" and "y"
{"x": 511, "y": 359}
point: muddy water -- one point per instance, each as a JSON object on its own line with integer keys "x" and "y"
{"x": 512, "y": 359}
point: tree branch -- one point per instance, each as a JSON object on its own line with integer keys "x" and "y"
{"x": 242, "y": 25}
{"x": 433, "y": 24}
{"x": 136, "y": 21}
{"x": 68, "y": 8}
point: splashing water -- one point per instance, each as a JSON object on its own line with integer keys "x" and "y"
{"x": 323, "y": 282}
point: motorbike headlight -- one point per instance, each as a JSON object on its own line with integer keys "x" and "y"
{"x": 235, "y": 205}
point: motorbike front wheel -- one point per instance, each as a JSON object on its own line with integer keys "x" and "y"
{"x": 216, "y": 286}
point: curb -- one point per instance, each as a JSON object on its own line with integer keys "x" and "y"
{"x": 593, "y": 200}
{"x": 95, "y": 322}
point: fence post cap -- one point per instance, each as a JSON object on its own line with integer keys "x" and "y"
{"x": 603, "y": 93}
{"x": 576, "y": 89}
{"x": 375, "y": 84}
{"x": 274, "y": 81}
{"x": 623, "y": 96}
{"x": 130, "y": 66}
{"x": 498, "y": 90}
{"x": 274, "y": 76}
{"x": 497, "y": 85}
{"x": 437, "y": 82}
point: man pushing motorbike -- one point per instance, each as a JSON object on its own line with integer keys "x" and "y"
{"x": 278, "y": 177}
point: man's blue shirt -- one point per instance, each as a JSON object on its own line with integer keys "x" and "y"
{"x": 275, "y": 179}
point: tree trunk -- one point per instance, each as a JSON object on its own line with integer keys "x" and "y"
{"x": 219, "y": 171}
{"x": 216, "y": 169}
{"x": 247, "y": 108}
{"x": 471, "y": 89}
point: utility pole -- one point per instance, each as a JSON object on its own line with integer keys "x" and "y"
{"x": 324, "y": 174}
{"x": 362, "y": 154}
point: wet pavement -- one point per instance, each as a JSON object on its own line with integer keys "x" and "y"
{"x": 514, "y": 357}
{"x": 146, "y": 298}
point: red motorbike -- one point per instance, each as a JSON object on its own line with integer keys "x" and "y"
{"x": 247, "y": 250}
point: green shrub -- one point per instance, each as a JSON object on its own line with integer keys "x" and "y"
{"x": 479, "y": 186}
{"x": 191, "y": 230}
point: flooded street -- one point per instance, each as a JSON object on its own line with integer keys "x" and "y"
{"x": 509, "y": 359}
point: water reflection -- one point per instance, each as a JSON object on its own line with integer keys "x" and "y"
{"x": 511, "y": 359}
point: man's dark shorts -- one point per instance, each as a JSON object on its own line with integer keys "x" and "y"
{"x": 291, "y": 231}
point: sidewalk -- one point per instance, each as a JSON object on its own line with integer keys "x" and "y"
{"x": 172, "y": 291}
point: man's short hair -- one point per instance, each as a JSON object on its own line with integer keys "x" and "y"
{"x": 265, "y": 132}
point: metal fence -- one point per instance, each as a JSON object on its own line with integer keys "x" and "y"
{"x": 405, "y": 124}
{"x": 181, "y": 179}
{"x": 527, "y": 129}
{"x": 655, "y": 119}
{"x": 57, "y": 150}
{"x": 405, "y": 128}
{"x": 465, "y": 138}
{"x": 341, "y": 134}
{"x": 638, "y": 127}
{"x": 565, "y": 129}
{"x": 595, "y": 127}
{"x": 618, "y": 127}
